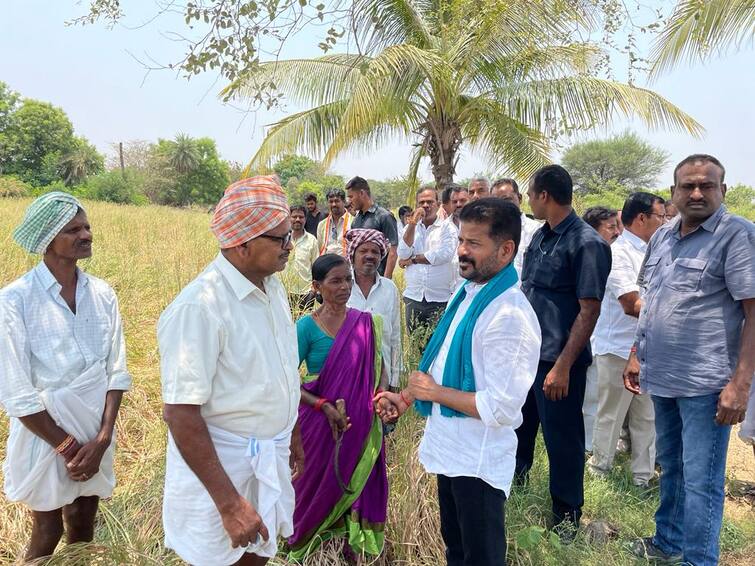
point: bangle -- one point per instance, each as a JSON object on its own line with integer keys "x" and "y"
{"x": 65, "y": 445}
{"x": 319, "y": 403}
{"x": 401, "y": 394}
{"x": 379, "y": 390}
{"x": 72, "y": 449}
{"x": 633, "y": 349}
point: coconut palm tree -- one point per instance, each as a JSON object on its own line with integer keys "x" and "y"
{"x": 501, "y": 77}
{"x": 697, "y": 30}
{"x": 183, "y": 154}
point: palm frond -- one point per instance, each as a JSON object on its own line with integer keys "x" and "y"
{"x": 581, "y": 102}
{"x": 380, "y": 23}
{"x": 413, "y": 176}
{"x": 698, "y": 29}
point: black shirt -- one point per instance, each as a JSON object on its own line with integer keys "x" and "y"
{"x": 561, "y": 266}
{"x": 378, "y": 218}
{"x": 312, "y": 220}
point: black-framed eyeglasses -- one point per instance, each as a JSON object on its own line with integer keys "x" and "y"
{"x": 284, "y": 240}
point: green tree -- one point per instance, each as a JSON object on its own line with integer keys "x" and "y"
{"x": 504, "y": 78}
{"x": 36, "y": 135}
{"x": 8, "y": 103}
{"x": 298, "y": 166}
{"x": 79, "y": 162}
{"x": 182, "y": 153}
{"x": 699, "y": 29}
{"x": 624, "y": 161}
{"x": 201, "y": 179}
{"x": 114, "y": 186}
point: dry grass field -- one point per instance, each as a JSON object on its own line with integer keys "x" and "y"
{"x": 147, "y": 254}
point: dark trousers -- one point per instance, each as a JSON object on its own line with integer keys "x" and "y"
{"x": 472, "y": 521}
{"x": 564, "y": 436}
{"x": 422, "y": 313}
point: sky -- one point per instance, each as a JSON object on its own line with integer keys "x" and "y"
{"x": 94, "y": 75}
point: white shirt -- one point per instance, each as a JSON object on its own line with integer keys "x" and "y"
{"x": 44, "y": 345}
{"x": 505, "y": 355}
{"x": 615, "y": 331}
{"x": 529, "y": 227}
{"x": 438, "y": 243}
{"x": 230, "y": 347}
{"x": 383, "y": 300}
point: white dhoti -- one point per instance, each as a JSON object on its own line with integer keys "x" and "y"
{"x": 259, "y": 469}
{"x": 34, "y": 473}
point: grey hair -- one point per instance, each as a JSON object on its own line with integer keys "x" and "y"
{"x": 480, "y": 179}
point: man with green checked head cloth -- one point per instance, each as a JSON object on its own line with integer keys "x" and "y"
{"x": 62, "y": 376}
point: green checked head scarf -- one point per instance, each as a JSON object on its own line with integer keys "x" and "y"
{"x": 44, "y": 219}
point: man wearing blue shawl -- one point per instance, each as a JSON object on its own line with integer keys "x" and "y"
{"x": 472, "y": 382}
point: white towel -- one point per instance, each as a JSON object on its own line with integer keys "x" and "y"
{"x": 34, "y": 473}
{"x": 259, "y": 469}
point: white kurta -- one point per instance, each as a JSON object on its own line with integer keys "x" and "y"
{"x": 52, "y": 359}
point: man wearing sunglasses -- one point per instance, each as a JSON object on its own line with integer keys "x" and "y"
{"x": 231, "y": 389}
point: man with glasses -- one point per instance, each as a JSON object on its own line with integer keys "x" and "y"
{"x": 230, "y": 384}
{"x": 564, "y": 278}
{"x": 642, "y": 214}
{"x": 694, "y": 355}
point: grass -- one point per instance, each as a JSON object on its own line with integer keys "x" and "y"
{"x": 148, "y": 254}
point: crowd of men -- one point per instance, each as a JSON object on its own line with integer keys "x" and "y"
{"x": 634, "y": 325}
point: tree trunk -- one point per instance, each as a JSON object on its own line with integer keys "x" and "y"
{"x": 441, "y": 144}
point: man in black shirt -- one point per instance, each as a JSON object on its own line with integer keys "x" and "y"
{"x": 564, "y": 277}
{"x": 314, "y": 215}
{"x": 370, "y": 215}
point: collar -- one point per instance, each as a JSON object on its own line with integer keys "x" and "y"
{"x": 345, "y": 217}
{"x": 565, "y": 224}
{"x": 372, "y": 209}
{"x": 437, "y": 222}
{"x": 47, "y": 279}
{"x": 710, "y": 224}
{"x": 634, "y": 240}
{"x": 241, "y": 286}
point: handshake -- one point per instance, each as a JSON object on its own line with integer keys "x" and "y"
{"x": 390, "y": 406}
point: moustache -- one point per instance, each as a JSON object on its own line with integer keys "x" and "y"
{"x": 467, "y": 259}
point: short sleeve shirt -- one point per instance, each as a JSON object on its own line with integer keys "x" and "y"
{"x": 378, "y": 218}
{"x": 690, "y": 327}
{"x": 312, "y": 220}
{"x": 561, "y": 266}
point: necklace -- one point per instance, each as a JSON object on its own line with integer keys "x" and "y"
{"x": 550, "y": 251}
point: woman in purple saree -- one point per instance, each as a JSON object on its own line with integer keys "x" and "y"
{"x": 344, "y": 489}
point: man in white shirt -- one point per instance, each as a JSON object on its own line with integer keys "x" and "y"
{"x": 426, "y": 251}
{"x": 469, "y": 439}
{"x": 508, "y": 189}
{"x": 642, "y": 214}
{"x": 62, "y": 377}
{"x": 331, "y": 232}
{"x": 376, "y": 294}
{"x": 479, "y": 187}
{"x": 297, "y": 277}
{"x": 459, "y": 199}
{"x": 230, "y": 388}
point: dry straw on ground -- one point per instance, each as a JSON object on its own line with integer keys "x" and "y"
{"x": 147, "y": 254}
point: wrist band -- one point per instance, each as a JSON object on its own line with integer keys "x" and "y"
{"x": 65, "y": 445}
{"x": 380, "y": 390}
{"x": 319, "y": 403}
{"x": 401, "y": 394}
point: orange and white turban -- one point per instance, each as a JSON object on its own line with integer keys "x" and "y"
{"x": 249, "y": 207}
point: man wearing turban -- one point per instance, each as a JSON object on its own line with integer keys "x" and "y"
{"x": 230, "y": 385}
{"x": 376, "y": 294}
{"x": 62, "y": 376}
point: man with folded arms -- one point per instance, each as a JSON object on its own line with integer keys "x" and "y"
{"x": 62, "y": 377}
{"x": 230, "y": 385}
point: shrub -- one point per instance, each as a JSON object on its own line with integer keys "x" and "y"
{"x": 114, "y": 186}
{"x": 13, "y": 187}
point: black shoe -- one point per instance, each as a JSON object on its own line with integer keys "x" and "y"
{"x": 646, "y": 548}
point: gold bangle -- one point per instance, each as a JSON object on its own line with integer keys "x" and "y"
{"x": 65, "y": 444}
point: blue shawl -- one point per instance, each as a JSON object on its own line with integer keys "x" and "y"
{"x": 458, "y": 372}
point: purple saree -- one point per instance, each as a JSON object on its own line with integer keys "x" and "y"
{"x": 323, "y": 510}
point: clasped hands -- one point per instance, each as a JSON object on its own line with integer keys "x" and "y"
{"x": 85, "y": 462}
{"x": 390, "y": 406}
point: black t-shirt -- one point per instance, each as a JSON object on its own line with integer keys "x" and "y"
{"x": 378, "y": 218}
{"x": 561, "y": 266}
{"x": 312, "y": 220}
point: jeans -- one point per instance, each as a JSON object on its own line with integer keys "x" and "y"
{"x": 564, "y": 436}
{"x": 472, "y": 521}
{"x": 691, "y": 450}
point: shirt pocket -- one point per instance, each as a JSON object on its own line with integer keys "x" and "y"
{"x": 686, "y": 274}
{"x": 549, "y": 272}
